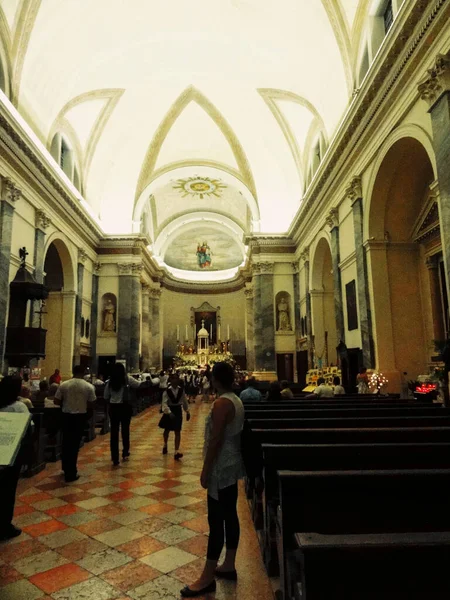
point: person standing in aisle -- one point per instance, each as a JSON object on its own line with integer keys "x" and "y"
{"x": 173, "y": 403}
{"x": 117, "y": 392}
{"x": 222, "y": 468}
{"x": 73, "y": 396}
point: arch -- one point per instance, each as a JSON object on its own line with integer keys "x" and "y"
{"x": 322, "y": 302}
{"x": 398, "y": 202}
{"x": 67, "y": 262}
{"x": 192, "y": 94}
{"x": 5, "y": 63}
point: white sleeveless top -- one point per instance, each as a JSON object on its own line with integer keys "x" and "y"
{"x": 228, "y": 467}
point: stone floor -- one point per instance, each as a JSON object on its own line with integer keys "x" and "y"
{"x": 131, "y": 532}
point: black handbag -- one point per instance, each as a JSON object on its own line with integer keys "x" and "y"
{"x": 165, "y": 421}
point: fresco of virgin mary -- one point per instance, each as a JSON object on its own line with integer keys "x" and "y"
{"x": 203, "y": 255}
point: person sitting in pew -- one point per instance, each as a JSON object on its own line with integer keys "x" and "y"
{"x": 9, "y": 476}
{"x": 286, "y": 391}
{"x": 38, "y": 398}
{"x": 50, "y": 400}
{"x": 338, "y": 389}
{"x": 251, "y": 392}
{"x": 322, "y": 390}
{"x": 25, "y": 396}
{"x": 274, "y": 393}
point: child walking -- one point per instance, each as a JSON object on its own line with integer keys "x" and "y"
{"x": 173, "y": 403}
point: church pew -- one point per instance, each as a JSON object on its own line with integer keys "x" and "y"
{"x": 347, "y": 423}
{"x": 330, "y": 403}
{"x": 53, "y": 435}
{"x": 331, "y": 413}
{"x": 34, "y": 448}
{"x": 358, "y": 503}
{"x": 322, "y": 457}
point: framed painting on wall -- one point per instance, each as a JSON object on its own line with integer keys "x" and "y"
{"x": 352, "y": 309}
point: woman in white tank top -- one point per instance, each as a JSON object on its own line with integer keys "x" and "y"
{"x": 223, "y": 467}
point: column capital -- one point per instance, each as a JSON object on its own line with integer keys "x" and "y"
{"x": 82, "y": 255}
{"x": 97, "y": 267}
{"x": 332, "y": 219}
{"x": 437, "y": 81}
{"x": 124, "y": 268}
{"x": 248, "y": 293}
{"x": 42, "y": 220}
{"x": 145, "y": 289}
{"x": 10, "y": 192}
{"x": 136, "y": 269}
{"x": 156, "y": 293}
{"x": 354, "y": 190}
{"x": 304, "y": 255}
{"x": 261, "y": 268}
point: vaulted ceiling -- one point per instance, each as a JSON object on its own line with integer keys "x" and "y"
{"x": 152, "y": 94}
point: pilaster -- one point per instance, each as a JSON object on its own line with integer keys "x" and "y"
{"x": 82, "y": 256}
{"x": 156, "y": 335}
{"x": 145, "y": 326}
{"x": 94, "y": 316}
{"x": 249, "y": 329}
{"x": 354, "y": 193}
{"x": 264, "y": 326}
{"x": 332, "y": 220}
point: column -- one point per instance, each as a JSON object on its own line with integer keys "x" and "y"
{"x": 436, "y": 304}
{"x": 82, "y": 256}
{"x": 42, "y": 222}
{"x": 94, "y": 316}
{"x": 124, "y": 313}
{"x": 264, "y": 326}
{"x": 354, "y": 192}
{"x": 9, "y": 195}
{"x": 135, "y": 321}
{"x": 145, "y": 326}
{"x": 156, "y": 338}
{"x": 296, "y": 276}
{"x": 435, "y": 90}
{"x": 332, "y": 221}
{"x": 305, "y": 257}
{"x": 249, "y": 329}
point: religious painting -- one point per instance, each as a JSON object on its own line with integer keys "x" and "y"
{"x": 204, "y": 255}
{"x": 352, "y": 309}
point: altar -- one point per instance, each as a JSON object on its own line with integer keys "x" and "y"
{"x": 203, "y": 352}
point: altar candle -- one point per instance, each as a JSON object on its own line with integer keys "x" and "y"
{"x": 218, "y": 332}
{"x": 210, "y": 332}
{"x": 228, "y": 332}
{"x": 186, "y": 332}
{"x": 178, "y": 332}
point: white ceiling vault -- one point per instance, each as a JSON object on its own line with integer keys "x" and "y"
{"x": 232, "y": 93}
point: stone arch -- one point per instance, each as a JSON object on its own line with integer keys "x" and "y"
{"x": 405, "y": 307}
{"x": 322, "y": 302}
{"x": 59, "y": 319}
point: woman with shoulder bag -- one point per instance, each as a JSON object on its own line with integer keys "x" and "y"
{"x": 117, "y": 392}
{"x": 173, "y": 403}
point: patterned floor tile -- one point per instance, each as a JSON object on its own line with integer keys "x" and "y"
{"x": 45, "y": 505}
{"x": 8, "y": 575}
{"x": 44, "y": 528}
{"x": 93, "y": 503}
{"x": 78, "y": 550}
{"x": 168, "y": 559}
{"x": 78, "y": 518}
{"x": 33, "y": 498}
{"x": 92, "y": 589}
{"x": 110, "y": 510}
{"x": 197, "y": 545}
{"x": 120, "y": 495}
{"x": 37, "y": 563}
{"x": 130, "y": 576}
{"x": 22, "y": 549}
{"x": 190, "y": 572}
{"x": 61, "y": 538}
{"x": 22, "y": 510}
{"x": 178, "y": 515}
{"x": 162, "y": 588}
{"x": 188, "y": 479}
{"x": 59, "y": 578}
{"x": 118, "y": 536}
{"x": 142, "y": 547}
{"x": 173, "y": 535}
{"x": 156, "y": 509}
{"x": 65, "y": 490}
{"x": 99, "y": 526}
{"x": 99, "y": 562}
{"x": 199, "y": 524}
{"x": 21, "y": 590}
{"x": 144, "y": 490}
{"x": 62, "y": 510}
{"x": 129, "y": 517}
{"x": 182, "y": 501}
{"x": 138, "y": 502}
{"x": 104, "y": 490}
{"x": 32, "y": 518}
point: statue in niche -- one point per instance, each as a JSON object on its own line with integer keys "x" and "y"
{"x": 284, "y": 323}
{"x": 109, "y": 313}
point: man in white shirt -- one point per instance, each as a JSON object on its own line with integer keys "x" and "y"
{"x": 322, "y": 390}
{"x": 73, "y": 396}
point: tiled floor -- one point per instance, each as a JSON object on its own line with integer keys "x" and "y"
{"x": 132, "y": 532}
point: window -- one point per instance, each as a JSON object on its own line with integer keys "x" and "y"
{"x": 388, "y": 16}
{"x": 64, "y": 155}
{"x": 2, "y": 77}
{"x": 88, "y": 328}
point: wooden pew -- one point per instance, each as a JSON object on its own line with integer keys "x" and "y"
{"x": 330, "y": 413}
{"x": 53, "y": 436}
{"x": 336, "y": 457}
{"x": 393, "y": 503}
{"x": 34, "y": 450}
{"x": 355, "y": 422}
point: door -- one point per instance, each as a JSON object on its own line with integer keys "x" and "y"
{"x": 285, "y": 366}
{"x": 302, "y": 367}
{"x": 355, "y": 362}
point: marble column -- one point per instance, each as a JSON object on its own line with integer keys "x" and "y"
{"x": 42, "y": 222}
{"x": 435, "y": 293}
{"x": 435, "y": 90}
{"x": 156, "y": 336}
{"x": 297, "y": 316}
{"x": 332, "y": 221}
{"x": 82, "y": 256}
{"x": 135, "y": 317}
{"x": 265, "y": 358}
{"x": 145, "y": 326}
{"x": 249, "y": 329}
{"x": 354, "y": 192}
{"x": 305, "y": 257}
{"x": 94, "y": 317}
{"x": 9, "y": 194}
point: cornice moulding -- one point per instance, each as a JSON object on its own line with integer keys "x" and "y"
{"x": 348, "y": 261}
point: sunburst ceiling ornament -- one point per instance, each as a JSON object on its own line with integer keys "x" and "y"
{"x": 199, "y": 186}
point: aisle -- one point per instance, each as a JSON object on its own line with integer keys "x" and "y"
{"x": 136, "y": 531}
